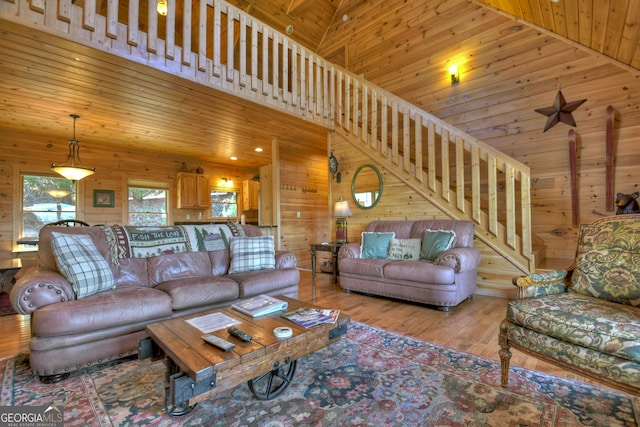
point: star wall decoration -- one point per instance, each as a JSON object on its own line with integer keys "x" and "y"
{"x": 560, "y": 111}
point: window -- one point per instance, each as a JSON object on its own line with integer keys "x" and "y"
{"x": 45, "y": 199}
{"x": 147, "y": 206}
{"x": 224, "y": 204}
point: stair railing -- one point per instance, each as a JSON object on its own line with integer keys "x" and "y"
{"x": 220, "y": 46}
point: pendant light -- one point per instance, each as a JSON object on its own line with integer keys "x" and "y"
{"x": 72, "y": 167}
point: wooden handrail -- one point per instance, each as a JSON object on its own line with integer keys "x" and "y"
{"x": 229, "y": 50}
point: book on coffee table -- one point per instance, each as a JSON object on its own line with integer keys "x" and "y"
{"x": 260, "y": 305}
{"x": 308, "y": 317}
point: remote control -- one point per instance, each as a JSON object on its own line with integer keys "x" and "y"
{"x": 218, "y": 342}
{"x": 242, "y": 335}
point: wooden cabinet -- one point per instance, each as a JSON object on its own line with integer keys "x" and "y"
{"x": 194, "y": 191}
{"x": 250, "y": 195}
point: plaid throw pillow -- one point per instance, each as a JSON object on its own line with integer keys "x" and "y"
{"x": 81, "y": 264}
{"x": 252, "y": 253}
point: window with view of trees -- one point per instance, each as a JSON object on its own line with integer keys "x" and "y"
{"x": 46, "y": 199}
{"x": 224, "y": 204}
{"x": 147, "y": 206}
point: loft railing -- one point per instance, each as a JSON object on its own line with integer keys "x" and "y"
{"x": 220, "y": 46}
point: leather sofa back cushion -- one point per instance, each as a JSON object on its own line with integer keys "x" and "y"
{"x": 219, "y": 262}
{"x": 183, "y": 265}
{"x": 131, "y": 272}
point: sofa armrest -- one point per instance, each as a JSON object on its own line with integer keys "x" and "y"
{"x": 541, "y": 283}
{"x": 460, "y": 259}
{"x": 285, "y": 259}
{"x": 38, "y": 287}
{"x": 349, "y": 250}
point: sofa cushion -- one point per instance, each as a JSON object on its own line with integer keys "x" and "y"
{"x": 194, "y": 292}
{"x": 608, "y": 262}
{"x": 81, "y": 264}
{"x": 434, "y": 242}
{"x": 589, "y": 322}
{"x": 375, "y": 244}
{"x": 219, "y": 262}
{"x": 363, "y": 266}
{"x": 183, "y": 265}
{"x": 253, "y": 283}
{"x": 404, "y": 249}
{"x": 121, "y": 306}
{"x": 252, "y": 253}
{"x": 131, "y": 272}
{"x": 419, "y": 271}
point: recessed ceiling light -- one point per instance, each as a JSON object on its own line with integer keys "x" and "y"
{"x": 233, "y": 158}
{"x": 259, "y": 149}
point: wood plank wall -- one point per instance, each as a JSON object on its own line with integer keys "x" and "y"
{"x": 507, "y": 70}
{"x": 32, "y": 153}
{"x": 304, "y": 188}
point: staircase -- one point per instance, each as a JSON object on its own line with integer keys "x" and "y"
{"x": 462, "y": 176}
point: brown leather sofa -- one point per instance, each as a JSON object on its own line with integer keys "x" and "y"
{"x": 69, "y": 333}
{"x": 444, "y": 282}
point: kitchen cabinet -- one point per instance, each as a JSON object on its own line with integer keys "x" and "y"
{"x": 250, "y": 195}
{"x": 194, "y": 191}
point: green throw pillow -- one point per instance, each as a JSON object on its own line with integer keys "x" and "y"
{"x": 435, "y": 242}
{"x": 81, "y": 264}
{"x": 375, "y": 245}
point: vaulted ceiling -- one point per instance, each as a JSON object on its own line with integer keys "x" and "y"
{"x": 129, "y": 105}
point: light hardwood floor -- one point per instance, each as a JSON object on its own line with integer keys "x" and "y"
{"x": 471, "y": 327}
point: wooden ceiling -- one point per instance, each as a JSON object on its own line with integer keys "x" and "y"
{"x": 125, "y": 105}
{"x": 610, "y": 27}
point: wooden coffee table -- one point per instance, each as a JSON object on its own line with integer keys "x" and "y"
{"x": 197, "y": 370}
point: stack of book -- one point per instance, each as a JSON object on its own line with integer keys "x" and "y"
{"x": 308, "y": 317}
{"x": 260, "y": 305}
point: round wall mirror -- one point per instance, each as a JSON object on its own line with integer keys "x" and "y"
{"x": 366, "y": 187}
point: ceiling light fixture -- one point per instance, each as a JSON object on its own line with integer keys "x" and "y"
{"x": 58, "y": 194}
{"x": 73, "y": 171}
{"x": 162, "y": 7}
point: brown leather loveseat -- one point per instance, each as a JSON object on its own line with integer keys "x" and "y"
{"x": 156, "y": 273}
{"x": 432, "y": 262}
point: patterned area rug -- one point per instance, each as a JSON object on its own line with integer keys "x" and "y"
{"x": 371, "y": 377}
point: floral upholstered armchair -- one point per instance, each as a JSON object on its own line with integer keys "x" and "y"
{"x": 585, "y": 318}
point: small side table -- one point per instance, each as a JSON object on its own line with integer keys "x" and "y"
{"x": 332, "y": 247}
{"x": 8, "y": 269}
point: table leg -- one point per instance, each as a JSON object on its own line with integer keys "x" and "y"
{"x": 313, "y": 262}
{"x": 335, "y": 265}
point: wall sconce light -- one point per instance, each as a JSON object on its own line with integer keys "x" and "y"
{"x": 333, "y": 168}
{"x": 224, "y": 182}
{"x": 162, "y": 7}
{"x": 72, "y": 171}
{"x": 455, "y": 76}
{"x": 342, "y": 211}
